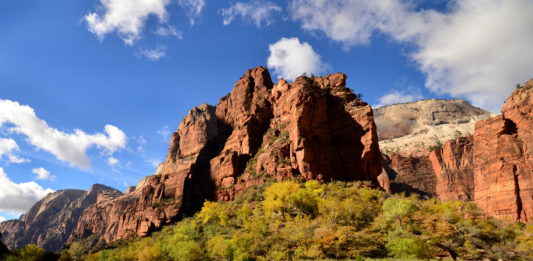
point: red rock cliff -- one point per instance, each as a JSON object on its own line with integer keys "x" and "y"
{"x": 453, "y": 168}
{"x": 314, "y": 128}
{"x": 503, "y": 150}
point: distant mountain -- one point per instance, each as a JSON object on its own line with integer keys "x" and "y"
{"x": 50, "y": 221}
{"x": 492, "y": 165}
{"x": 408, "y": 128}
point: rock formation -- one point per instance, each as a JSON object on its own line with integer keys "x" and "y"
{"x": 413, "y": 128}
{"x": 493, "y": 167}
{"x": 503, "y": 159}
{"x": 3, "y": 248}
{"x": 453, "y": 169}
{"x": 50, "y": 221}
{"x": 408, "y": 134}
{"x": 408, "y": 174}
{"x": 314, "y": 128}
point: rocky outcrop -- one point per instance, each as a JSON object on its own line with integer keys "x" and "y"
{"x": 408, "y": 174}
{"x": 493, "y": 167}
{"x": 411, "y": 137}
{"x": 50, "y": 221}
{"x": 314, "y": 128}
{"x": 453, "y": 168}
{"x": 503, "y": 170}
{"x": 414, "y": 128}
{"x": 3, "y": 248}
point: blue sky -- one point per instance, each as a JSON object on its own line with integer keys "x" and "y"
{"x": 68, "y": 69}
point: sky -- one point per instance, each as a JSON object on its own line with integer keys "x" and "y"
{"x": 90, "y": 91}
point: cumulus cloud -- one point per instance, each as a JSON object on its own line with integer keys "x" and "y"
{"x": 2, "y": 219}
{"x": 7, "y": 147}
{"x": 395, "y": 96}
{"x": 154, "y": 54}
{"x": 289, "y": 58}
{"x": 477, "y": 49}
{"x": 19, "y": 197}
{"x": 257, "y": 11}
{"x": 112, "y": 161}
{"x": 43, "y": 174}
{"x": 16, "y": 159}
{"x": 126, "y": 17}
{"x": 69, "y": 147}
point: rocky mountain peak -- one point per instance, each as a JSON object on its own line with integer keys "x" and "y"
{"x": 50, "y": 221}
{"x": 258, "y": 131}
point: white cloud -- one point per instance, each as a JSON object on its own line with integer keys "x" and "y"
{"x": 112, "y": 161}
{"x": 2, "y": 219}
{"x": 289, "y": 58}
{"x": 69, "y": 147}
{"x": 256, "y": 10}
{"x": 168, "y": 31}
{"x": 154, "y": 54}
{"x": 16, "y": 159}
{"x": 7, "y": 146}
{"x": 477, "y": 49}
{"x": 194, "y": 8}
{"x": 19, "y": 197}
{"x": 43, "y": 174}
{"x": 395, "y": 96}
{"x": 126, "y": 17}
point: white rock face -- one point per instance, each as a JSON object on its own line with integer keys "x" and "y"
{"x": 412, "y": 128}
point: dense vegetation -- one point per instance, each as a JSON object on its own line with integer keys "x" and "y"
{"x": 293, "y": 221}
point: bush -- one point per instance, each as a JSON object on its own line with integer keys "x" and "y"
{"x": 337, "y": 220}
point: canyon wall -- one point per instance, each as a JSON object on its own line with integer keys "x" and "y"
{"x": 314, "y": 128}
{"x": 492, "y": 167}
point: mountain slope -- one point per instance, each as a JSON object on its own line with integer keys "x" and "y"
{"x": 314, "y": 128}
{"x": 410, "y": 128}
{"x": 50, "y": 221}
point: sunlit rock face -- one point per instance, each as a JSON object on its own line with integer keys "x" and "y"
{"x": 492, "y": 167}
{"x": 314, "y": 128}
{"x": 503, "y": 159}
{"x": 52, "y": 220}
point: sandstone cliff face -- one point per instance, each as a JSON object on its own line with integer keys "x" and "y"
{"x": 409, "y": 174}
{"x": 453, "y": 169}
{"x": 50, "y": 222}
{"x": 503, "y": 170}
{"x": 493, "y": 167}
{"x": 313, "y": 128}
{"x": 408, "y": 134}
